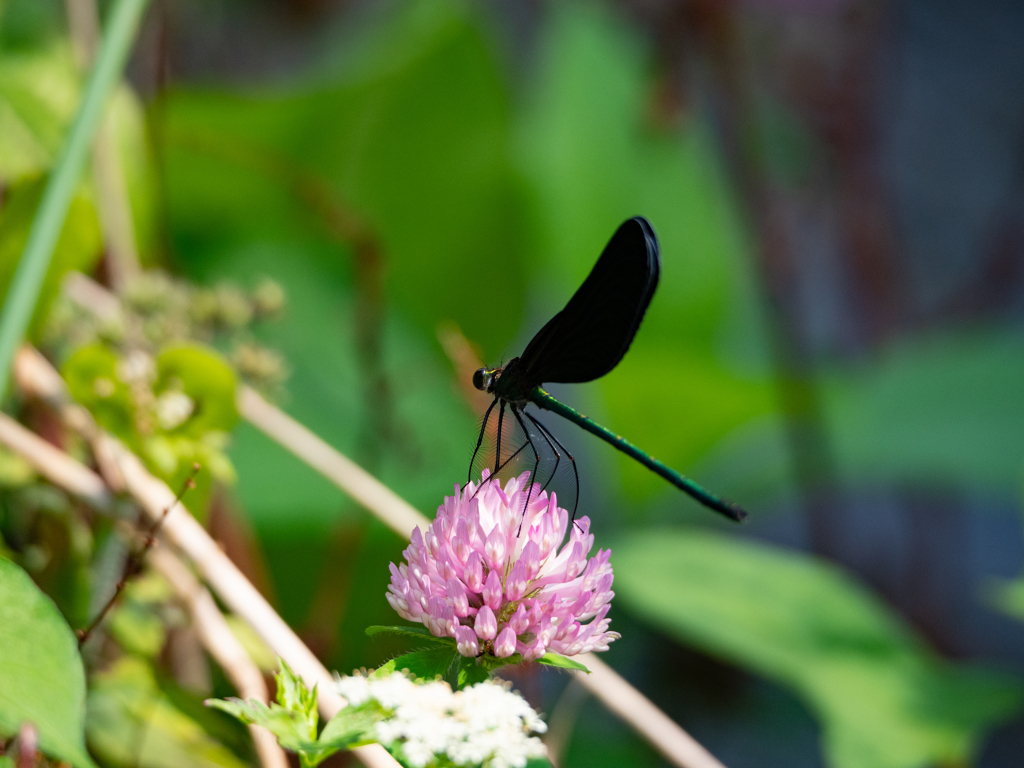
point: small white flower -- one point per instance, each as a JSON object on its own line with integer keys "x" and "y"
{"x": 487, "y": 724}
{"x": 172, "y": 408}
{"x": 136, "y": 368}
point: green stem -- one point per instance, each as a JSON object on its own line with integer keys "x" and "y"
{"x": 543, "y": 400}
{"x": 23, "y": 292}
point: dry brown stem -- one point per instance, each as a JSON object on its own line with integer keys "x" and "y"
{"x": 222, "y": 645}
{"x": 111, "y": 192}
{"x": 37, "y": 378}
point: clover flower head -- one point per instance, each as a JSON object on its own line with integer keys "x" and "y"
{"x": 486, "y": 724}
{"x": 492, "y": 576}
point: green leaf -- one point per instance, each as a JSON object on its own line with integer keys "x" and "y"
{"x": 132, "y": 724}
{"x": 137, "y": 629}
{"x": 1007, "y": 595}
{"x": 419, "y": 633}
{"x": 207, "y": 379}
{"x": 91, "y": 374}
{"x": 41, "y": 675}
{"x": 884, "y": 701}
{"x": 428, "y": 664}
{"x": 557, "y": 660}
{"x": 471, "y": 672}
{"x": 39, "y": 91}
{"x": 935, "y": 408}
{"x": 417, "y": 141}
{"x": 78, "y": 247}
{"x": 293, "y": 719}
{"x": 295, "y": 697}
{"x": 289, "y": 726}
{"x": 350, "y": 727}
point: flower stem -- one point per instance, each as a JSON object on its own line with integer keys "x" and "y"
{"x": 23, "y": 292}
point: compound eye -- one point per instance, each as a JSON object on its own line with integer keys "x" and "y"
{"x": 480, "y": 379}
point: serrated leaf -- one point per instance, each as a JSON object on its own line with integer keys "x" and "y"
{"x": 349, "y": 727}
{"x": 557, "y": 660}
{"x": 429, "y": 663}
{"x": 288, "y": 726}
{"x": 41, "y": 675}
{"x": 471, "y": 673}
{"x": 296, "y": 698}
{"x": 419, "y": 633}
{"x": 884, "y": 701}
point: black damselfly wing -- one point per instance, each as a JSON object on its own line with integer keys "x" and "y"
{"x": 589, "y": 337}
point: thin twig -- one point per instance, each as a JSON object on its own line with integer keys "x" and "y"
{"x": 133, "y": 566}
{"x": 367, "y": 490}
{"x": 221, "y": 643}
{"x": 49, "y": 461}
{"x": 39, "y": 379}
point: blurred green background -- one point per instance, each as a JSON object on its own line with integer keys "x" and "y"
{"x": 836, "y": 342}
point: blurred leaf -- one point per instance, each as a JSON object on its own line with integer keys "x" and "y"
{"x": 883, "y": 700}
{"x": 415, "y": 143}
{"x": 933, "y": 409}
{"x": 1007, "y": 596}
{"x": 41, "y": 675}
{"x": 938, "y": 409}
{"x": 131, "y": 723}
{"x": 556, "y": 660}
{"x": 39, "y": 92}
{"x": 137, "y": 629}
{"x": 207, "y": 379}
{"x": 471, "y": 672}
{"x": 349, "y": 727}
{"x": 77, "y": 249}
{"x": 91, "y": 375}
{"x": 594, "y": 154}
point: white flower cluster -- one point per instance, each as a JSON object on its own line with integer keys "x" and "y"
{"x": 485, "y": 725}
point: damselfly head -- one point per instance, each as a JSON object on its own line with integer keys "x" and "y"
{"x": 484, "y": 379}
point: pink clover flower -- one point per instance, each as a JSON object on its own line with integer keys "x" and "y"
{"x": 475, "y": 576}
